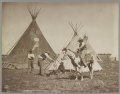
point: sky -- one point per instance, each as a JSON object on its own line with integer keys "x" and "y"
{"x": 99, "y": 20}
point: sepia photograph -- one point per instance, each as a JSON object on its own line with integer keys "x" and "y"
{"x": 60, "y": 47}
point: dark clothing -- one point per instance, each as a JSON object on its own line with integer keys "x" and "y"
{"x": 40, "y": 64}
{"x": 30, "y": 65}
{"x": 81, "y": 63}
{"x": 61, "y": 68}
{"x": 43, "y": 56}
{"x": 83, "y": 52}
{"x": 83, "y": 48}
{"x": 39, "y": 61}
{"x": 72, "y": 61}
{"x": 42, "y": 59}
{"x": 91, "y": 61}
{"x": 90, "y": 66}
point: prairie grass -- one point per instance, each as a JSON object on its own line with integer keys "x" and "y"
{"x": 106, "y": 80}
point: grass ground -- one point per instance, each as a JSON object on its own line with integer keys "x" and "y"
{"x": 106, "y": 80}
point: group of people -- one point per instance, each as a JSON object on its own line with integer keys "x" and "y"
{"x": 80, "y": 52}
{"x": 77, "y": 58}
{"x": 41, "y": 58}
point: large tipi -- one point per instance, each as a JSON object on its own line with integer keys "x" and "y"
{"x": 33, "y": 39}
{"x": 73, "y": 45}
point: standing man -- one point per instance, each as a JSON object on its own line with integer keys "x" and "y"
{"x": 42, "y": 58}
{"x": 90, "y": 66}
{"x": 30, "y": 61}
{"x": 83, "y": 50}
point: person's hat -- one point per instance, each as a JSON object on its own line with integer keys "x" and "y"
{"x": 30, "y": 50}
{"x": 80, "y": 40}
{"x": 64, "y": 49}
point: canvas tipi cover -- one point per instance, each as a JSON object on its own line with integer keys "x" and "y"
{"x": 19, "y": 52}
{"x": 73, "y": 45}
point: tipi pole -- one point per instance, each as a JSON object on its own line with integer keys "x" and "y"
{"x": 12, "y": 47}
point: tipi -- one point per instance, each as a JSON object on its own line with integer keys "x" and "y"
{"x": 73, "y": 45}
{"x": 32, "y": 38}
